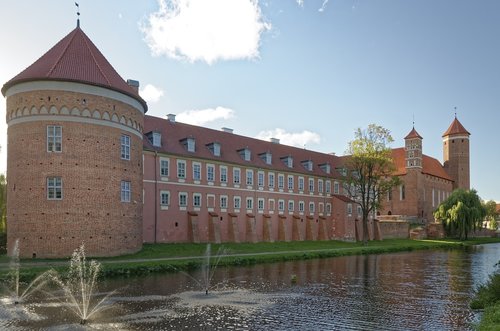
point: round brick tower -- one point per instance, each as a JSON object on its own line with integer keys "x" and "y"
{"x": 456, "y": 154}
{"x": 74, "y": 163}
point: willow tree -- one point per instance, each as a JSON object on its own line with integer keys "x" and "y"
{"x": 461, "y": 213}
{"x": 369, "y": 170}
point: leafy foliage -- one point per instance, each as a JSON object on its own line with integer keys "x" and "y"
{"x": 491, "y": 214}
{"x": 369, "y": 170}
{"x": 461, "y": 213}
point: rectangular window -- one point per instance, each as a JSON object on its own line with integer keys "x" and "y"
{"x": 320, "y": 186}
{"x": 164, "y": 167}
{"x": 164, "y": 198}
{"x": 54, "y": 138}
{"x": 183, "y": 199}
{"x": 237, "y": 202}
{"x": 281, "y": 205}
{"x": 311, "y": 184}
{"x": 125, "y": 147}
{"x": 311, "y": 207}
{"x": 223, "y": 201}
{"x": 196, "y": 200}
{"x": 402, "y": 192}
{"x": 301, "y": 206}
{"x": 125, "y": 191}
{"x": 270, "y": 180}
{"x": 181, "y": 169}
{"x": 336, "y": 188}
{"x": 260, "y": 204}
{"x": 349, "y": 208}
{"x": 301, "y": 183}
{"x": 281, "y": 181}
{"x": 360, "y": 211}
{"x": 328, "y": 187}
{"x": 249, "y": 203}
{"x": 236, "y": 176}
{"x": 196, "y": 171}
{"x": 249, "y": 177}
{"x": 260, "y": 179}
{"x": 223, "y": 174}
{"x": 54, "y": 188}
{"x": 290, "y": 183}
{"x": 210, "y": 172}
{"x": 290, "y": 206}
{"x": 328, "y": 208}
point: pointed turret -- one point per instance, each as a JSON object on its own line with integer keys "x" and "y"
{"x": 413, "y": 149}
{"x": 456, "y": 154}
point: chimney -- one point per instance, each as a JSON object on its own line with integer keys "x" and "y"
{"x": 134, "y": 84}
{"x": 228, "y": 130}
{"x": 274, "y": 140}
{"x": 171, "y": 117}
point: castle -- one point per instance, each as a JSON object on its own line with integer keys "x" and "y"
{"x": 86, "y": 164}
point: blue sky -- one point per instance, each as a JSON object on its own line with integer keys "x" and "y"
{"x": 308, "y": 72}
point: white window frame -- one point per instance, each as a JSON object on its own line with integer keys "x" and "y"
{"x": 210, "y": 172}
{"x": 301, "y": 183}
{"x": 164, "y": 167}
{"x": 236, "y": 176}
{"x": 281, "y": 205}
{"x": 302, "y": 206}
{"x": 336, "y": 187}
{"x": 54, "y": 138}
{"x": 54, "y": 188}
{"x": 249, "y": 203}
{"x": 291, "y": 206}
{"x": 281, "y": 181}
{"x": 260, "y": 204}
{"x": 196, "y": 171}
{"x": 197, "y": 200}
{"x": 181, "y": 169}
{"x": 125, "y": 191}
{"x": 237, "y": 202}
{"x": 260, "y": 178}
{"x": 125, "y": 147}
{"x": 183, "y": 196}
{"x": 164, "y": 198}
{"x": 270, "y": 180}
{"x": 311, "y": 185}
{"x": 223, "y": 201}
{"x": 290, "y": 182}
{"x": 312, "y": 207}
{"x": 328, "y": 208}
{"x": 223, "y": 174}
{"x": 320, "y": 185}
{"x": 249, "y": 176}
{"x": 349, "y": 208}
{"x": 328, "y": 186}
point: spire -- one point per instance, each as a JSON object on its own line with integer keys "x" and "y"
{"x": 456, "y": 128}
{"x": 413, "y": 133}
{"x": 77, "y": 15}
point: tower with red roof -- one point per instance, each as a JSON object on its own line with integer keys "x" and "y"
{"x": 456, "y": 154}
{"x": 74, "y": 154}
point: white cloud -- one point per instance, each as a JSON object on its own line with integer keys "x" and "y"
{"x": 300, "y": 3}
{"x": 201, "y": 30}
{"x": 203, "y": 116}
{"x": 298, "y": 139}
{"x": 151, "y": 93}
{"x": 323, "y": 6}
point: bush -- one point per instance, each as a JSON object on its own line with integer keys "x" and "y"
{"x": 487, "y": 294}
{"x": 3, "y": 243}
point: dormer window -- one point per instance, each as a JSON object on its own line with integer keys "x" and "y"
{"x": 214, "y": 148}
{"x": 245, "y": 154}
{"x": 326, "y": 168}
{"x": 267, "y": 157}
{"x": 288, "y": 161}
{"x": 189, "y": 144}
{"x": 154, "y": 138}
{"x": 308, "y": 165}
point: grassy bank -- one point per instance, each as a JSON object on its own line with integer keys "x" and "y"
{"x": 488, "y": 298}
{"x": 174, "y": 257}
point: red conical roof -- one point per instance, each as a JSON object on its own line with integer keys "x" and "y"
{"x": 456, "y": 128}
{"x": 413, "y": 134}
{"x": 75, "y": 58}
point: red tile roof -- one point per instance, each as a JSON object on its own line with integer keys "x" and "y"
{"x": 343, "y": 198}
{"x": 456, "y": 128}
{"x": 430, "y": 165}
{"x": 172, "y": 133}
{"x": 413, "y": 134}
{"x": 75, "y": 58}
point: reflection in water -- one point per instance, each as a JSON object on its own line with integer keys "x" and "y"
{"x": 423, "y": 290}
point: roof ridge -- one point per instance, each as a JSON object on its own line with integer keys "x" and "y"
{"x": 61, "y": 55}
{"x": 95, "y": 61}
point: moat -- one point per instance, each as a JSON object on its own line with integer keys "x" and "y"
{"x": 422, "y": 290}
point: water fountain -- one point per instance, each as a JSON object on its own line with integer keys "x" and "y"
{"x": 18, "y": 294}
{"x": 80, "y": 286}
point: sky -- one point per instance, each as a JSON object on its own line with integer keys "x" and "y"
{"x": 307, "y": 72}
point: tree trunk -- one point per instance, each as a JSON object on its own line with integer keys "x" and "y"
{"x": 366, "y": 236}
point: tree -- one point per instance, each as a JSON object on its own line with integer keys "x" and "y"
{"x": 369, "y": 170}
{"x": 461, "y": 213}
{"x": 491, "y": 214}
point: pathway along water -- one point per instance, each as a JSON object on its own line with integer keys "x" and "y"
{"x": 421, "y": 290}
